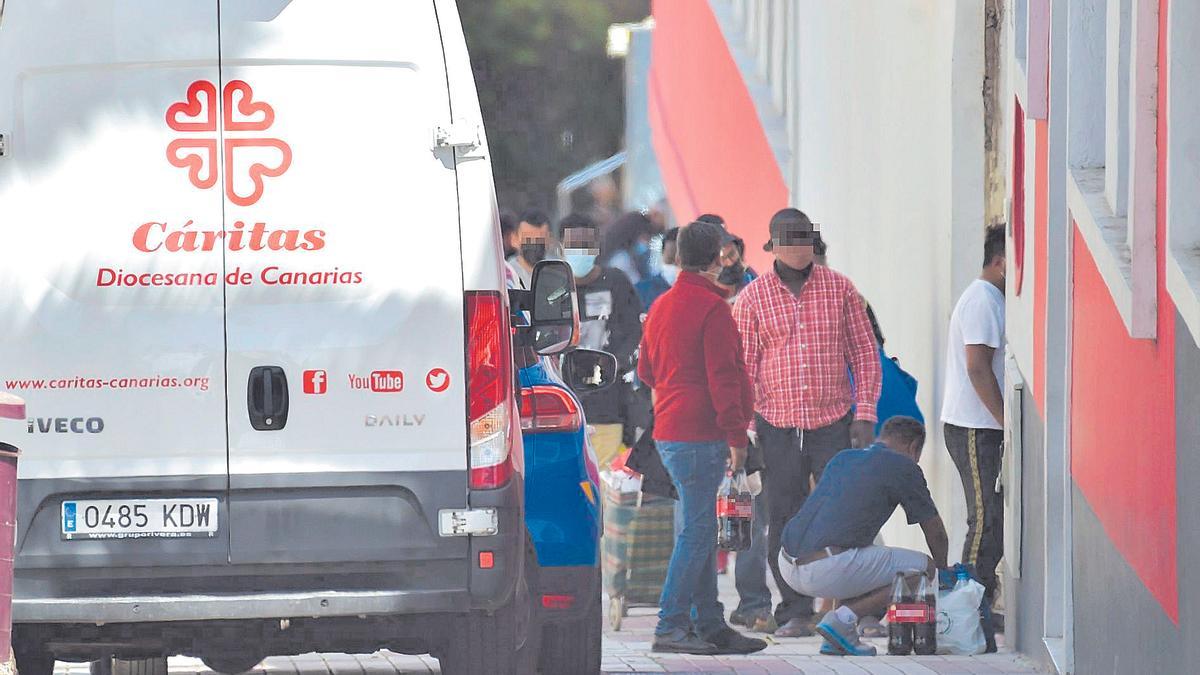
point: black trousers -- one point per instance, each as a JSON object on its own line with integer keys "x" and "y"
{"x": 976, "y": 454}
{"x": 791, "y": 456}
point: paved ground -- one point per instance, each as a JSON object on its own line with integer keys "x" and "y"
{"x": 628, "y": 651}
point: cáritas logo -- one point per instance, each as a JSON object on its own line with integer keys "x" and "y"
{"x": 243, "y": 126}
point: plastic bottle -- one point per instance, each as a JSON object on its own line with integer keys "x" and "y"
{"x": 925, "y": 633}
{"x": 900, "y": 633}
{"x": 729, "y": 523}
{"x": 745, "y": 509}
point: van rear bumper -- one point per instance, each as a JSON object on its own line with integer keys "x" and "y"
{"x": 288, "y": 547}
{"x": 245, "y": 606}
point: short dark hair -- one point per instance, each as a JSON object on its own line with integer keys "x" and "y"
{"x": 536, "y": 217}
{"x": 699, "y": 245}
{"x": 576, "y": 221}
{"x": 904, "y": 430}
{"x": 993, "y": 244}
{"x": 671, "y": 235}
{"x": 508, "y": 222}
{"x": 711, "y": 218}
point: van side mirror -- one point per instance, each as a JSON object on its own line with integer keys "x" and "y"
{"x": 588, "y": 370}
{"x": 553, "y": 308}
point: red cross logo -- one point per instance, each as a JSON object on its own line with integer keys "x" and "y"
{"x": 244, "y": 123}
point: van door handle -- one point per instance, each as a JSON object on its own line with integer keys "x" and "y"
{"x": 267, "y": 398}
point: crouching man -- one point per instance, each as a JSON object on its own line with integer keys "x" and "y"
{"x": 827, "y": 547}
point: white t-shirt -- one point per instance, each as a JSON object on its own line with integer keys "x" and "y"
{"x": 978, "y": 319}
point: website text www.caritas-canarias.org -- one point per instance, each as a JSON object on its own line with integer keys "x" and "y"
{"x": 159, "y": 237}
{"x": 85, "y": 382}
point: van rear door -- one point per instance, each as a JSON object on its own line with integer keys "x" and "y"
{"x": 112, "y": 318}
{"x": 344, "y": 318}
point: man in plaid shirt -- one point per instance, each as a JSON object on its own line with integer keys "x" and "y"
{"x": 804, "y": 333}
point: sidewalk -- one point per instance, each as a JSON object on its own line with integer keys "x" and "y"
{"x": 628, "y": 651}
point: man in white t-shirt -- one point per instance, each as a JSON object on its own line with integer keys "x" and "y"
{"x": 973, "y": 410}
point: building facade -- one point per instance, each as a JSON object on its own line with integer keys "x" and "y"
{"x": 903, "y": 127}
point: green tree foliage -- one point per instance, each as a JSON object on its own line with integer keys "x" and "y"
{"x": 552, "y": 99}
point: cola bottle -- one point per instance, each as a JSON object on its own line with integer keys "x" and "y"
{"x": 900, "y": 632}
{"x": 925, "y": 633}
{"x": 735, "y": 510}
{"x": 745, "y": 509}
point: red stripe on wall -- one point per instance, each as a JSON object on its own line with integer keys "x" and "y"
{"x": 1123, "y": 429}
{"x": 1123, "y": 441}
{"x": 1041, "y": 215}
{"x": 1018, "y": 196}
{"x": 710, "y": 144}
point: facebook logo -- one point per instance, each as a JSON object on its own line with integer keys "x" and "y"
{"x": 315, "y": 382}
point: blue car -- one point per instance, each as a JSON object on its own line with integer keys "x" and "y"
{"x": 562, "y": 513}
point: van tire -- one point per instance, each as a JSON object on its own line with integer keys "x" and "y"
{"x": 231, "y": 664}
{"x": 482, "y": 644}
{"x": 32, "y": 661}
{"x": 151, "y": 665}
{"x": 574, "y": 646}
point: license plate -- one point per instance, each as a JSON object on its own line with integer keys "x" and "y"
{"x": 139, "y": 518}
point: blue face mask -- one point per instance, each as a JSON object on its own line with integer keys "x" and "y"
{"x": 581, "y": 264}
{"x": 641, "y": 248}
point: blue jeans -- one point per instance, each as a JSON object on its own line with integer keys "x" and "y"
{"x": 750, "y": 568}
{"x": 689, "y": 597}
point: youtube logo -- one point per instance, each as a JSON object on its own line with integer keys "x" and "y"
{"x": 387, "y": 381}
{"x": 315, "y": 382}
{"x": 379, "y": 381}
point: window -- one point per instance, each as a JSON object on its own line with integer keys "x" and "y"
{"x": 1112, "y": 77}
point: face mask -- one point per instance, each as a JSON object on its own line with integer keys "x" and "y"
{"x": 641, "y": 248}
{"x": 533, "y": 253}
{"x": 670, "y": 273}
{"x": 581, "y": 263}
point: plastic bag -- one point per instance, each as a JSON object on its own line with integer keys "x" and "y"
{"x": 959, "y": 631}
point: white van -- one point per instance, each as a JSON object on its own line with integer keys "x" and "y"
{"x": 251, "y": 287}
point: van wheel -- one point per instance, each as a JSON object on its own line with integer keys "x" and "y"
{"x": 484, "y": 643}
{"x": 151, "y": 665}
{"x": 33, "y": 661}
{"x": 574, "y": 646}
{"x": 529, "y": 615}
{"x": 481, "y": 644}
{"x": 231, "y": 664}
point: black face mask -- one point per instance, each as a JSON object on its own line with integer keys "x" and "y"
{"x": 533, "y": 253}
{"x": 733, "y": 275}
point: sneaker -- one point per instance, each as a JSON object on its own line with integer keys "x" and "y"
{"x": 829, "y": 650}
{"x": 680, "y": 642}
{"x": 738, "y": 619}
{"x": 843, "y": 636}
{"x": 797, "y": 627}
{"x": 729, "y": 641}
{"x": 765, "y": 624}
{"x": 762, "y": 622}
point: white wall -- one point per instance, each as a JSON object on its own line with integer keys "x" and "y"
{"x": 887, "y": 132}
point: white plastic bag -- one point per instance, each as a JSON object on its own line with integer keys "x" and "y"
{"x": 959, "y": 631}
{"x": 623, "y": 481}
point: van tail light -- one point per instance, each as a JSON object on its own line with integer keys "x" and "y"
{"x": 547, "y": 409}
{"x": 489, "y": 389}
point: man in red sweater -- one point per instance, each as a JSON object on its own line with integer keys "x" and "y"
{"x": 692, "y": 359}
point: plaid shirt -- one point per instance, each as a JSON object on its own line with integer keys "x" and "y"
{"x": 797, "y": 350}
